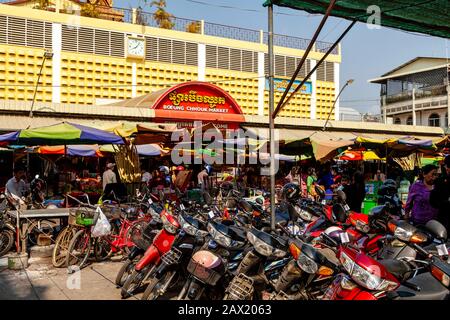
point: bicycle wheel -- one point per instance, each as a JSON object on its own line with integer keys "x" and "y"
{"x": 102, "y": 249}
{"x": 6, "y": 241}
{"x": 36, "y": 228}
{"x": 79, "y": 249}
{"x": 103, "y": 246}
{"x": 61, "y": 245}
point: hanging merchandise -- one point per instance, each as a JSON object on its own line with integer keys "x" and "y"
{"x": 128, "y": 164}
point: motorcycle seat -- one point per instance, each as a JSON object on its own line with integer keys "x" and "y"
{"x": 376, "y": 211}
{"x": 399, "y": 269}
{"x": 241, "y": 233}
{"x": 430, "y": 289}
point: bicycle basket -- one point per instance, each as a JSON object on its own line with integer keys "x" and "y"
{"x": 83, "y": 217}
{"x": 149, "y": 232}
{"x": 172, "y": 256}
{"x": 240, "y": 288}
{"x": 137, "y": 236}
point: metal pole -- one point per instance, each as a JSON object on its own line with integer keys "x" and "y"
{"x": 305, "y": 55}
{"x": 334, "y": 103}
{"x": 35, "y": 89}
{"x": 414, "y": 120}
{"x": 280, "y": 106}
{"x": 271, "y": 119}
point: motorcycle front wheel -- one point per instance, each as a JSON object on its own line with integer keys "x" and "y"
{"x": 125, "y": 271}
{"x": 153, "y": 291}
{"x": 134, "y": 282}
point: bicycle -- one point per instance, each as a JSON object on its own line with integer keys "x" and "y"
{"x": 124, "y": 227}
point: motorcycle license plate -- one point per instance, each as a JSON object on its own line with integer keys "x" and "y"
{"x": 442, "y": 250}
{"x": 201, "y": 272}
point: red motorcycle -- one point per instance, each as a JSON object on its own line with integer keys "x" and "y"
{"x": 161, "y": 244}
{"x": 368, "y": 279}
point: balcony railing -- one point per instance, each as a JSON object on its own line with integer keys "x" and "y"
{"x": 137, "y": 16}
{"x": 426, "y": 92}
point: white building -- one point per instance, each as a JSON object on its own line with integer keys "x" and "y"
{"x": 417, "y": 93}
{"x": 349, "y": 114}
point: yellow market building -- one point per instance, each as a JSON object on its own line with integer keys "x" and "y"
{"x": 98, "y": 61}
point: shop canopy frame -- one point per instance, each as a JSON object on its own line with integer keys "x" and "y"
{"x": 421, "y": 16}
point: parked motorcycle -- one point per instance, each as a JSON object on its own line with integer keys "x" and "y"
{"x": 261, "y": 265}
{"x": 208, "y": 267}
{"x": 161, "y": 244}
{"x": 173, "y": 267}
{"x": 368, "y": 279}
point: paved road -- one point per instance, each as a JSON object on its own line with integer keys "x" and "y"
{"x": 41, "y": 281}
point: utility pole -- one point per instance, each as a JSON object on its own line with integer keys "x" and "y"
{"x": 271, "y": 119}
{"x": 48, "y": 54}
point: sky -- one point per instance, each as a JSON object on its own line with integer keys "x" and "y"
{"x": 366, "y": 53}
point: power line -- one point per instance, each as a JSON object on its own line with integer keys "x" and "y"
{"x": 246, "y": 9}
{"x": 360, "y": 100}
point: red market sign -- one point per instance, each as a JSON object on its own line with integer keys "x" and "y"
{"x": 197, "y": 101}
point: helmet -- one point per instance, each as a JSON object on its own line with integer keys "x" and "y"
{"x": 179, "y": 168}
{"x": 290, "y": 191}
{"x": 388, "y": 188}
{"x": 164, "y": 169}
{"x": 334, "y": 233}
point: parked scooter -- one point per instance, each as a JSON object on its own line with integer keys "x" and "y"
{"x": 261, "y": 265}
{"x": 161, "y": 244}
{"x": 208, "y": 267}
{"x": 173, "y": 267}
{"x": 37, "y": 187}
{"x": 367, "y": 279}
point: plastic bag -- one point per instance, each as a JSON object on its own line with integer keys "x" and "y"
{"x": 102, "y": 227}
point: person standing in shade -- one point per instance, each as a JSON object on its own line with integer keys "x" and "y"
{"x": 355, "y": 192}
{"x": 440, "y": 195}
{"x": 418, "y": 206}
{"x": 311, "y": 182}
{"x": 109, "y": 176}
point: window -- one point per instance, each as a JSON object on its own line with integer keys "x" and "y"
{"x": 446, "y": 119}
{"x": 409, "y": 121}
{"x": 397, "y": 121}
{"x": 434, "y": 120}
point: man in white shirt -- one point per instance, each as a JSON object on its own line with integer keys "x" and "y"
{"x": 109, "y": 175}
{"x": 16, "y": 187}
